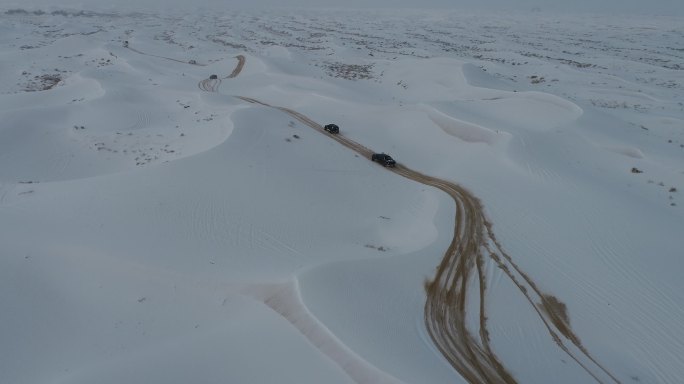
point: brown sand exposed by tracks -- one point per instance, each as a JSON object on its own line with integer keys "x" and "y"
{"x": 238, "y": 67}
{"x": 473, "y": 245}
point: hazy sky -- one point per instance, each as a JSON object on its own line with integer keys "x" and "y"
{"x": 666, "y": 7}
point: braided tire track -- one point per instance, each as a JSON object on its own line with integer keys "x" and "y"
{"x": 549, "y": 309}
{"x": 209, "y": 85}
{"x": 447, "y": 292}
{"x": 212, "y": 85}
{"x": 473, "y": 244}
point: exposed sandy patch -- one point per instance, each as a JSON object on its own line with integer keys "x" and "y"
{"x": 238, "y": 68}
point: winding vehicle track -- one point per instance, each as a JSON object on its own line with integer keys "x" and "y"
{"x": 209, "y": 85}
{"x": 238, "y": 68}
{"x": 462, "y": 267}
{"x": 212, "y": 85}
{"x": 473, "y": 244}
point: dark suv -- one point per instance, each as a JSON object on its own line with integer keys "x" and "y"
{"x": 332, "y": 128}
{"x": 384, "y": 159}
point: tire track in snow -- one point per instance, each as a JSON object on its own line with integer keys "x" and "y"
{"x": 212, "y": 85}
{"x": 238, "y": 68}
{"x": 473, "y": 245}
{"x": 209, "y": 85}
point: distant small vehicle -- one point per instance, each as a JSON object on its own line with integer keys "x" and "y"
{"x": 213, "y": 77}
{"x": 332, "y": 128}
{"x": 384, "y": 159}
{"x": 126, "y": 44}
{"x": 193, "y": 61}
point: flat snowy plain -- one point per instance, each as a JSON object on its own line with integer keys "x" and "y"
{"x": 154, "y": 228}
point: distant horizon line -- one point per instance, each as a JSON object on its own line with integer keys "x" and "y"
{"x": 427, "y": 9}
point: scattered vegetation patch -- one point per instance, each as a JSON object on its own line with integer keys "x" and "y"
{"x": 228, "y": 44}
{"x": 534, "y": 79}
{"x": 59, "y": 12}
{"x": 43, "y": 82}
{"x": 101, "y": 62}
{"x": 569, "y": 62}
{"x": 380, "y": 248}
{"x": 613, "y": 104}
{"x": 350, "y": 71}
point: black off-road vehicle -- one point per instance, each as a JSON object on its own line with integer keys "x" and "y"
{"x": 213, "y": 77}
{"x": 384, "y": 159}
{"x": 332, "y": 128}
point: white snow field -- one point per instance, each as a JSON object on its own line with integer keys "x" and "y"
{"x": 154, "y": 228}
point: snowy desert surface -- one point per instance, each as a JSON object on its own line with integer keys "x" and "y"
{"x": 162, "y": 225}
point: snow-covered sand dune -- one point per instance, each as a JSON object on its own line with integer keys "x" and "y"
{"x": 156, "y": 228}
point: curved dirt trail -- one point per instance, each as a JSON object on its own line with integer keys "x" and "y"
{"x": 238, "y": 67}
{"x": 463, "y": 265}
{"x": 209, "y": 85}
{"x": 212, "y": 85}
